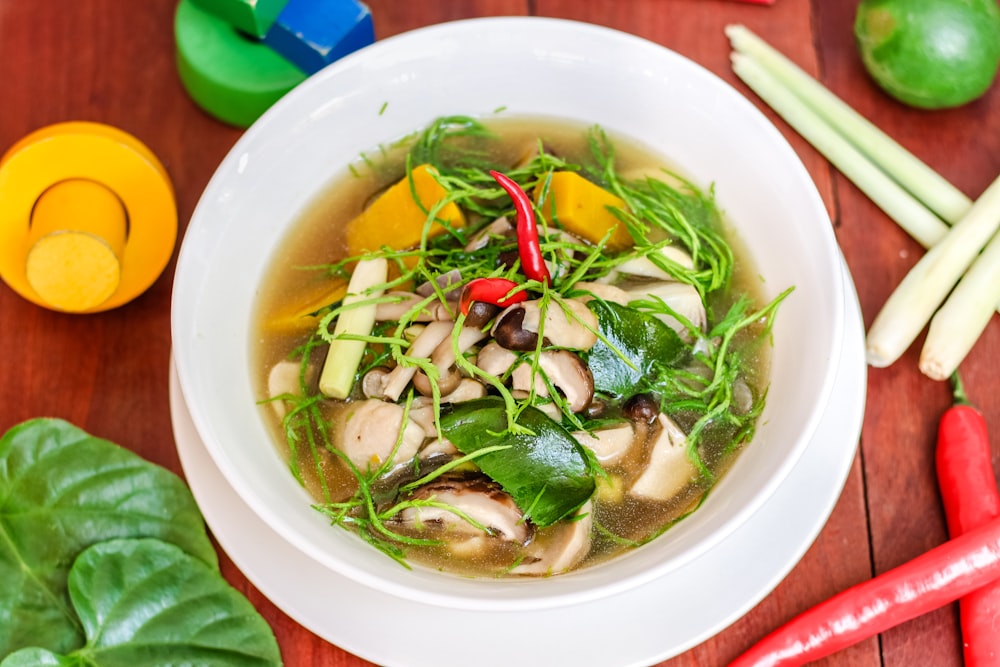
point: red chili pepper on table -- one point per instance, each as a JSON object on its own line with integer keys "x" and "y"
{"x": 970, "y": 496}
{"x": 494, "y": 291}
{"x": 942, "y": 575}
{"x": 528, "y": 245}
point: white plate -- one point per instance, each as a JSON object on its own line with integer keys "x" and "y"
{"x": 532, "y": 67}
{"x": 642, "y": 626}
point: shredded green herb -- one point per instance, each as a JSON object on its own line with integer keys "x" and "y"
{"x": 692, "y": 374}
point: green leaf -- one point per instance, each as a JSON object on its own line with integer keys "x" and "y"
{"x": 39, "y": 657}
{"x": 632, "y": 343}
{"x": 62, "y": 490}
{"x": 146, "y": 603}
{"x": 545, "y": 471}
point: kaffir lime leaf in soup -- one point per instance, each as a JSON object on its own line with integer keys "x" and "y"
{"x": 931, "y": 54}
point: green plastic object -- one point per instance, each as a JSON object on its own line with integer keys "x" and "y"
{"x": 233, "y": 78}
{"x": 254, "y": 17}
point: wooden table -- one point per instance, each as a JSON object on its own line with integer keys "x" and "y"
{"x": 113, "y": 62}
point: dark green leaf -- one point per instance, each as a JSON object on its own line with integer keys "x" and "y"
{"x": 62, "y": 490}
{"x": 636, "y": 343}
{"x": 146, "y": 603}
{"x": 545, "y": 471}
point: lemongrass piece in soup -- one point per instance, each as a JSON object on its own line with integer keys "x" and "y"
{"x": 963, "y": 317}
{"x": 887, "y": 194}
{"x": 927, "y": 284}
{"x": 915, "y": 176}
{"x": 344, "y": 355}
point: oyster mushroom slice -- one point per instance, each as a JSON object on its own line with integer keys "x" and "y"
{"x": 438, "y": 447}
{"x": 494, "y": 359}
{"x": 467, "y": 390}
{"x": 283, "y": 379}
{"x": 609, "y": 445}
{"x": 565, "y": 370}
{"x": 681, "y": 297}
{"x": 564, "y": 550}
{"x": 668, "y": 469}
{"x": 647, "y": 268}
{"x": 422, "y": 413}
{"x": 479, "y": 498}
{"x": 370, "y": 430}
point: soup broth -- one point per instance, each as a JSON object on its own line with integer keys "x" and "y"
{"x": 525, "y": 473}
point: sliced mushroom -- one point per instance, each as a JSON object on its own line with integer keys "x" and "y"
{"x": 647, "y": 268}
{"x": 524, "y": 382}
{"x": 478, "y": 497}
{"x": 447, "y": 382}
{"x": 495, "y": 359}
{"x": 421, "y": 348}
{"x": 480, "y": 313}
{"x": 373, "y": 383}
{"x": 500, "y": 227}
{"x": 370, "y": 431}
{"x": 422, "y": 414}
{"x": 509, "y": 331}
{"x": 518, "y": 327}
{"x": 565, "y": 371}
{"x": 550, "y": 409}
{"x": 444, "y": 354}
{"x": 443, "y": 358}
{"x": 609, "y": 445}
{"x": 448, "y": 282}
{"x": 564, "y": 548}
{"x": 438, "y": 447}
{"x": 467, "y": 390}
{"x": 606, "y": 292}
{"x": 742, "y": 397}
{"x": 283, "y": 379}
{"x": 407, "y": 301}
{"x": 669, "y": 469}
{"x": 681, "y": 297}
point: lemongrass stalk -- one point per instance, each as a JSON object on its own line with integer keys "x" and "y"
{"x": 918, "y": 221}
{"x": 940, "y": 196}
{"x": 927, "y": 284}
{"x": 344, "y": 355}
{"x": 957, "y": 325}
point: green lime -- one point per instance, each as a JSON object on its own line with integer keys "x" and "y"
{"x": 930, "y": 53}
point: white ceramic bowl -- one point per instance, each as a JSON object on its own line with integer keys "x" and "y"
{"x": 529, "y": 66}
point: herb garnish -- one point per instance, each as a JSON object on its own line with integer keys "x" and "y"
{"x": 691, "y": 375}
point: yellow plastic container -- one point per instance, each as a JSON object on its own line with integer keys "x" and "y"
{"x": 87, "y": 217}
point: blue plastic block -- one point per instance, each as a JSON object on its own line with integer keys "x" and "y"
{"x": 314, "y": 33}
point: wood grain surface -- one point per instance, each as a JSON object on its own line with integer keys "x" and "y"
{"x": 113, "y": 62}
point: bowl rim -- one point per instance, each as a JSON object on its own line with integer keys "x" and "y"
{"x": 469, "y": 598}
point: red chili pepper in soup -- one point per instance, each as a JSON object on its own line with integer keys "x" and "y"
{"x": 969, "y": 493}
{"x": 528, "y": 245}
{"x": 494, "y": 291}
